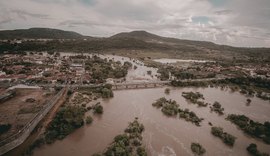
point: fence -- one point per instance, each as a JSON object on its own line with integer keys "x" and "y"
{"x": 18, "y": 138}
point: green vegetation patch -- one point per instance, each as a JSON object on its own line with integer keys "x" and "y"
{"x": 194, "y": 98}
{"x": 101, "y": 69}
{"x": 247, "y": 85}
{"x": 171, "y": 108}
{"x": 127, "y": 144}
{"x": 89, "y": 120}
{"x": 226, "y": 137}
{"x": 167, "y": 91}
{"x": 253, "y": 128}
{"x": 252, "y": 150}
{"x": 98, "y": 109}
{"x": 197, "y": 148}
{"x": 65, "y": 122}
{"x": 217, "y": 108}
{"x": 103, "y": 91}
{"x": 190, "y": 116}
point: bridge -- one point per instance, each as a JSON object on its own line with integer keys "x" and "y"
{"x": 139, "y": 85}
{"x": 115, "y": 86}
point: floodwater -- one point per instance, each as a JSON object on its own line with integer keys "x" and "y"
{"x": 134, "y": 75}
{"x": 164, "y": 136}
{"x": 166, "y": 60}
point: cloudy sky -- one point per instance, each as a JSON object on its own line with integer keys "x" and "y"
{"x": 233, "y": 22}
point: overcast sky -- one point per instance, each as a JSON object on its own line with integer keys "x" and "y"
{"x": 233, "y": 22}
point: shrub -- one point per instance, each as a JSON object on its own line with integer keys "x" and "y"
{"x": 217, "y": 108}
{"x": 89, "y": 120}
{"x": 251, "y": 127}
{"x": 197, "y": 149}
{"x": 167, "y": 91}
{"x": 226, "y": 138}
{"x": 67, "y": 119}
{"x": 106, "y": 93}
{"x": 252, "y": 149}
{"x": 128, "y": 143}
{"x": 98, "y": 109}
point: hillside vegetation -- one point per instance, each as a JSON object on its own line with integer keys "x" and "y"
{"x": 136, "y": 43}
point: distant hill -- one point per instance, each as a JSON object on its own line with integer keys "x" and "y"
{"x": 143, "y": 35}
{"x": 178, "y": 44}
{"x": 39, "y": 33}
{"x": 139, "y": 41}
{"x": 149, "y": 37}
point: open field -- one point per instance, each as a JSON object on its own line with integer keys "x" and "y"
{"x": 19, "y": 110}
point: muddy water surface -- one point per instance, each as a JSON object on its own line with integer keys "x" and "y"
{"x": 164, "y": 136}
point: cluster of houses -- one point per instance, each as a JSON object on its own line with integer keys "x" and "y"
{"x": 41, "y": 68}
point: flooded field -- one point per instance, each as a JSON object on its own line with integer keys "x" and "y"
{"x": 164, "y": 136}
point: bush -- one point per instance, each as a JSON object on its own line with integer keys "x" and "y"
{"x": 217, "y": 131}
{"x": 197, "y": 149}
{"x": 226, "y": 138}
{"x": 65, "y": 122}
{"x": 128, "y": 143}
{"x": 252, "y": 149}
{"x": 251, "y": 127}
{"x": 217, "y": 108}
{"x": 194, "y": 98}
{"x": 106, "y": 93}
{"x": 171, "y": 108}
{"x": 89, "y": 120}
{"x": 98, "y": 109}
{"x": 167, "y": 91}
{"x": 141, "y": 151}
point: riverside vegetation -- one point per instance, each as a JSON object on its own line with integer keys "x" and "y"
{"x": 65, "y": 122}
{"x": 250, "y": 86}
{"x": 194, "y": 98}
{"x": 217, "y": 108}
{"x": 253, "y": 128}
{"x": 226, "y": 137}
{"x": 127, "y": 144}
{"x": 171, "y": 108}
{"x": 252, "y": 150}
{"x": 69, "y": 117}
{"x": 197, "y": 149}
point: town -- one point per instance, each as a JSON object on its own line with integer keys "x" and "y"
{"x": 33, "y": 68}
{"x": 55, "y": 90}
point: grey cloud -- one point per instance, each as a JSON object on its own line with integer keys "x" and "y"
{"x": 25, "y": 14}
{"x": 147, "y": 26}
{"x": 223, "y": 12}
{"x": 5, "y": 21}
{"x": 236, "y": 22}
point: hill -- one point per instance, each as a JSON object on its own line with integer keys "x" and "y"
{"x": 39, "y": 33}
{"x": 133, "y": 44}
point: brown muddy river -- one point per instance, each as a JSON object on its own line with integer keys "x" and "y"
{"x": 164, "y": 136}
